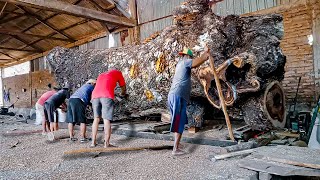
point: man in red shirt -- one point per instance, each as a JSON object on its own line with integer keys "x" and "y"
{"x": 103, "y": 104}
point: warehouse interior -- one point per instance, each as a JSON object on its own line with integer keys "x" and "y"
{"x": 58, "y": 41}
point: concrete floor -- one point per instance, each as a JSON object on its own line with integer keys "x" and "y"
{"x": 36, "y": 158}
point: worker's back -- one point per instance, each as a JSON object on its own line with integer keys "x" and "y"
{"x": 106, "y": 84}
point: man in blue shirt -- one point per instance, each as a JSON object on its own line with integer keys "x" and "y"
{"x": 179, "y": 94}
{"x": 77, "y": 108}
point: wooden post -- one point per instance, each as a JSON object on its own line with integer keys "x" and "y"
{"x": 134, "y": 16}
{"x": 222, "y": 102}
{"x": 1, "y": 85}
{"x": 30, "y": 81}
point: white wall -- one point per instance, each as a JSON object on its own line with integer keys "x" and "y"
{"x": 22, "y": 68}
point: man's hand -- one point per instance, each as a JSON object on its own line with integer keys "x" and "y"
{"x": 125, "y": 96}
{"x": 206, "y": 49}
{"x": 203, "y": 57}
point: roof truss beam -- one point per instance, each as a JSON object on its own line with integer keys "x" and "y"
{"x": 38, "y": 18}
{"x": 14, "y": 49}
{"x": 67, "y": 8}
{"x": 52, "y": 34}
{"x": 32, "y": 26}
{"x": 2, "y": 21}
{"x": 9, "y": 32}
{"x": 25, "y": 42}
{"x": 10, "y": 56}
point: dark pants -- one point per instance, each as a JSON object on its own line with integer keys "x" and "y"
{"x": 49, "y": 111}
{"x": 76, "y": 111}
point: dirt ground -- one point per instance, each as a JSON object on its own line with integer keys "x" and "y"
{"x": 33, "y": 157}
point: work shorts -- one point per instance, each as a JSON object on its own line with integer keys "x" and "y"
{"x": 103, "y": 107}
{"x": 178, "y": 110}
{"x": 50, "y": 112}
{"x": 76, "y": 111}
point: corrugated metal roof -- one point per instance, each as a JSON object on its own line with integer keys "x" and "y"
{"x": 149, "y": 10}
{"x": 149, "y": 28}
{"x": 101, "y": 43}
{"x": 238, "y": 7}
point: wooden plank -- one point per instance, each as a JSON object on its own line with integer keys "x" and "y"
{"x": 30, "y": 27}
{"x": 3, "y": 21}
{"x": 287, "y": 134}
{"x": 295, "y": 163}
{"x": 2, "y": 9}
{"x": 10, "y": 32}
{"x": 92, "y": 150}
{"x": 66, "y": 8}
{"x": 14, "y": 49}
{"x": 10, "y": 56}
{"x": 193, "y": 130}
{"x": 50, "y": 26}
{"x": 52, "y": 34}
{"x": 221, "y": 97}
{"x": 97, "y": 6}
{"x": 25, "y": 42}
{"x": 277, "y": 169}
{"x": 123, "y": 12}
{"x": 133, "y": 10}
{"x": 233, "y": 154}
{"x": 21, "y": 133}
{"x": 77, "y": 43}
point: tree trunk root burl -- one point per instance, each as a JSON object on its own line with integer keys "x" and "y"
{"x": 247, "y": 56}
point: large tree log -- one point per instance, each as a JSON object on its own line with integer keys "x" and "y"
{"x": 246, "y": 52}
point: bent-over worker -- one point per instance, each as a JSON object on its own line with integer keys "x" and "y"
{"x": 51, "y": 105}
{"x": 103, "y": 104}
{"x": 40, "y": 109}
{"x": 77, "y": 108}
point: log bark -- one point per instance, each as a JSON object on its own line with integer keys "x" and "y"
{"x": 246, "y": 52}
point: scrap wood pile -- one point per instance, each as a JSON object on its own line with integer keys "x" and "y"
{"x": 246, "y": 51}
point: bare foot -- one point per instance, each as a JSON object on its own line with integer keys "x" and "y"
{"x": 93, "y": 145}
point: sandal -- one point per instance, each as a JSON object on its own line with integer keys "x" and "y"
{"x": 109, "y": 146}
{"x": 84, "y": 140}
{"x": 73, "y": 139}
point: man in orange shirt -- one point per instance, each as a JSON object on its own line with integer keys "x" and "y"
{"x": 103, "y": 104}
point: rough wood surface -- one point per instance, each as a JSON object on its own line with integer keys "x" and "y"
{"x": 91, "y": 150}
{"x": 233, "y": 154}
{"x": 246, "y": 50}
{"x": 277, "y": 169}
{"x": 295, "y": 163}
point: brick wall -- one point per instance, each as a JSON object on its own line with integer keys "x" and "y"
{"x": 40, "y": 80}
{"x": 17, "y": 83}
{"x": 298, "y": 22}
{"x": 35, "y": 86}
{"x": 297, "y": 27}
